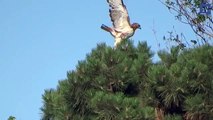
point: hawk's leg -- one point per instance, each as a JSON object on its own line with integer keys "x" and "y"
{"x": 117, "y": 41}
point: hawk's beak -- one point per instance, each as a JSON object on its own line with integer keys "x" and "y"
{"x": 139, "y": 27}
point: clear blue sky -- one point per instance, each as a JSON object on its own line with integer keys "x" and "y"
{"x": 40, "y": 40}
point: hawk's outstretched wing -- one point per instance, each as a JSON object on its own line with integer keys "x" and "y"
{"x": 119, "y": 15}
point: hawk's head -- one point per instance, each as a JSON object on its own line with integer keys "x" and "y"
{"x": 136, "y": 26}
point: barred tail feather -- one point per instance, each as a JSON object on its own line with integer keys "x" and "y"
{"x": 106, "y": 28}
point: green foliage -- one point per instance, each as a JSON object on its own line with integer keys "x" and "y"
{"x": 195, "y": 107}
{"x": 54, "y": 106}
{"x": 11, "y": 118}
{"x": 104, "y": 86}
{"x": 178, "y": 77}
{"x": 119, "y": 107}
{"x": 124, "y": 84}
{"x": 173, "y": 117}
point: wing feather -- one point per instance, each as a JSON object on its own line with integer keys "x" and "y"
{"x": 119, "y": 15}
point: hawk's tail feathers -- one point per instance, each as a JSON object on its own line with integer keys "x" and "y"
{"x": 106, "y": 28}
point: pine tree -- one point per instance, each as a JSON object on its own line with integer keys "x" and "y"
{"x": 124, "y": 84}
{"x": 182, "y": 83}
{"x": 104, "y": 86}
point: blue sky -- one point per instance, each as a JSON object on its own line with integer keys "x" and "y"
{"x": 40, "y": 40}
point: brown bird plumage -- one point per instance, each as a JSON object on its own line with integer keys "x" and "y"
{"x": 122, "y": 29}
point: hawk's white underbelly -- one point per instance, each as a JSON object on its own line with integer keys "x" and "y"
{"x": 124, "y": 34}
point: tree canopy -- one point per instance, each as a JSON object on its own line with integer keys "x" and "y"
{"x": 124, "y": 84}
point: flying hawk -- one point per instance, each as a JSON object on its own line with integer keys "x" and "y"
{"x": 122, "y": 28}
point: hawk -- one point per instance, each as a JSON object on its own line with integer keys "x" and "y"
{"x": 122, "y": 28}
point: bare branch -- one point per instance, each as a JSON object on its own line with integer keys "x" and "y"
{"x": 187, "y": 12}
